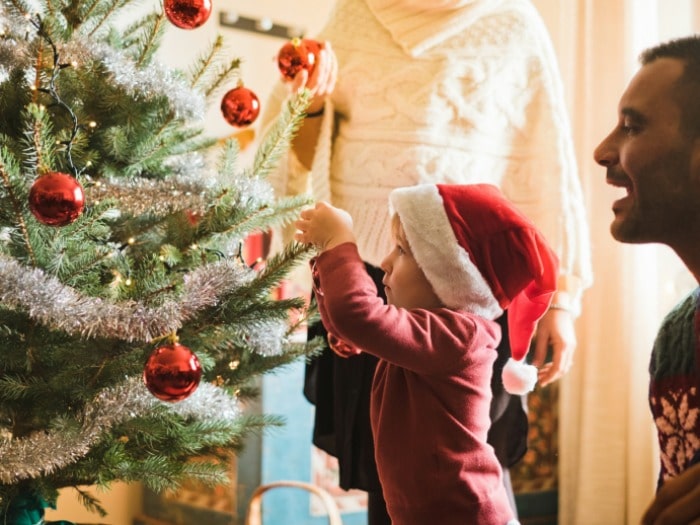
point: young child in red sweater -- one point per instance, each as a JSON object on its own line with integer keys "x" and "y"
{"x": 462, "y": 254}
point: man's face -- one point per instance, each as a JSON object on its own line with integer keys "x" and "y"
{"x": 649, "y": 156}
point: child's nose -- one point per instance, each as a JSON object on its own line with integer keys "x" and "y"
{"x": 385, "y": 265}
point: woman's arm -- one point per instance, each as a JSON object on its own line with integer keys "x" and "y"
{"x": 320, "y": 83}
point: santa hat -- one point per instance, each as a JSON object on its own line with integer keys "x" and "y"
{"x": 482, "y": 255}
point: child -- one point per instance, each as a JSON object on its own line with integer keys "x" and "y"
{"x": 462, "y": 253}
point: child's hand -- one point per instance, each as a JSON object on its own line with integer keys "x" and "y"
{"x": 324, "y": 226}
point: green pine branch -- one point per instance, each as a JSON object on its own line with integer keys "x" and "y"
{"x": 279, "y": 137}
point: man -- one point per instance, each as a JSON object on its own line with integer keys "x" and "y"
{"x": 653, "y": 153}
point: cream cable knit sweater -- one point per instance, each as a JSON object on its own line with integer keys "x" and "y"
{"x": 482, "y": 105}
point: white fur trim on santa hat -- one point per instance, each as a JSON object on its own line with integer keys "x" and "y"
{"x": 453, "y": 275}
{"x": 518, "y": 377}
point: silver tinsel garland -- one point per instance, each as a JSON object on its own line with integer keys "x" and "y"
{"x": 253, "y": 190}
{"x": 155, "y": 80}
{"x": 160, "y": 197}
{"x": 60, "y": 307}
{"x": 15, "y": 53}
{"x": 44, "y": 452}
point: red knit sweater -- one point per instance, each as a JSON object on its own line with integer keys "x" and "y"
{"x": 430, "y": 397}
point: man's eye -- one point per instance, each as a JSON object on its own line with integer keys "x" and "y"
{"x": 629, "y": 129}
{"x": 400, "y": 250}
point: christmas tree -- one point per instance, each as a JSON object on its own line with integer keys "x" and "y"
{"x": 131, "y": 326}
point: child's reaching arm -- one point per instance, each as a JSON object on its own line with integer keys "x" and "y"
{"x": 324, "y": 226}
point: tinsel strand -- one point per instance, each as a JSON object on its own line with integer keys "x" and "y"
{"x": 60, "y": 307}
{"x": 42, "y": 452}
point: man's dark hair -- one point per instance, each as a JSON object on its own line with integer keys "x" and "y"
{"x": 687, "y": 50}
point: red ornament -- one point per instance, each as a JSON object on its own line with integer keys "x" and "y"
{"x": 56, "y": 199}
{"x": 193, "y": 217}
{"x": 240, "y": 106}
{"x": 297, "y": 54}
{"x": 187, "y": 14}
{"x": 172, "y": 372}
{"x": 342, "y": 348}
{"x": 256, "y": 247}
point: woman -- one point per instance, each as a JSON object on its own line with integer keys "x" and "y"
{"x": 425, "y": 91}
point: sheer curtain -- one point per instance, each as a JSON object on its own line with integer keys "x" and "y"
{"x": 608, "y": 457}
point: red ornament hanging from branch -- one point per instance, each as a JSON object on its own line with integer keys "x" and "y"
{"x": 297, "y": 54}
{"x": 187, "y": 14}
{"x": 240, "y": 106}
{"x": 172, "y": 372}
{"x": 56, "y": 199}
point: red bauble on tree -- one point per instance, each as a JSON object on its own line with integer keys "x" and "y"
{"x": 193, "y": 217}
{"x": 56, "y": 199}
{"x": 172, "y": 372}
{"x": 297, "y": 54}
{"x": 187, "y": 14}
{"x": 340, "y": 347}
{"x": 240, "y": 106}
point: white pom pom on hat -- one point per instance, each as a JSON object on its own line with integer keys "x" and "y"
{"x": 518, "y": 377}
{"x": 482, "y": 255}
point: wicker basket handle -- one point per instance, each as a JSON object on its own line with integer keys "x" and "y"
{"x": 254, "y": 514}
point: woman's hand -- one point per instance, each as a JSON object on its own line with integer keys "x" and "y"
{"x": 322, "y": 80}
{"x": 324, "y": 226}
{"x": 556, "y": 331}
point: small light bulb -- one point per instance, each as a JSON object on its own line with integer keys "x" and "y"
{"x": 128, "y": 281}
{"x": 230, "y": 17}
{"x": 264, "y": 24}
{"x": 131, "y": 240}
